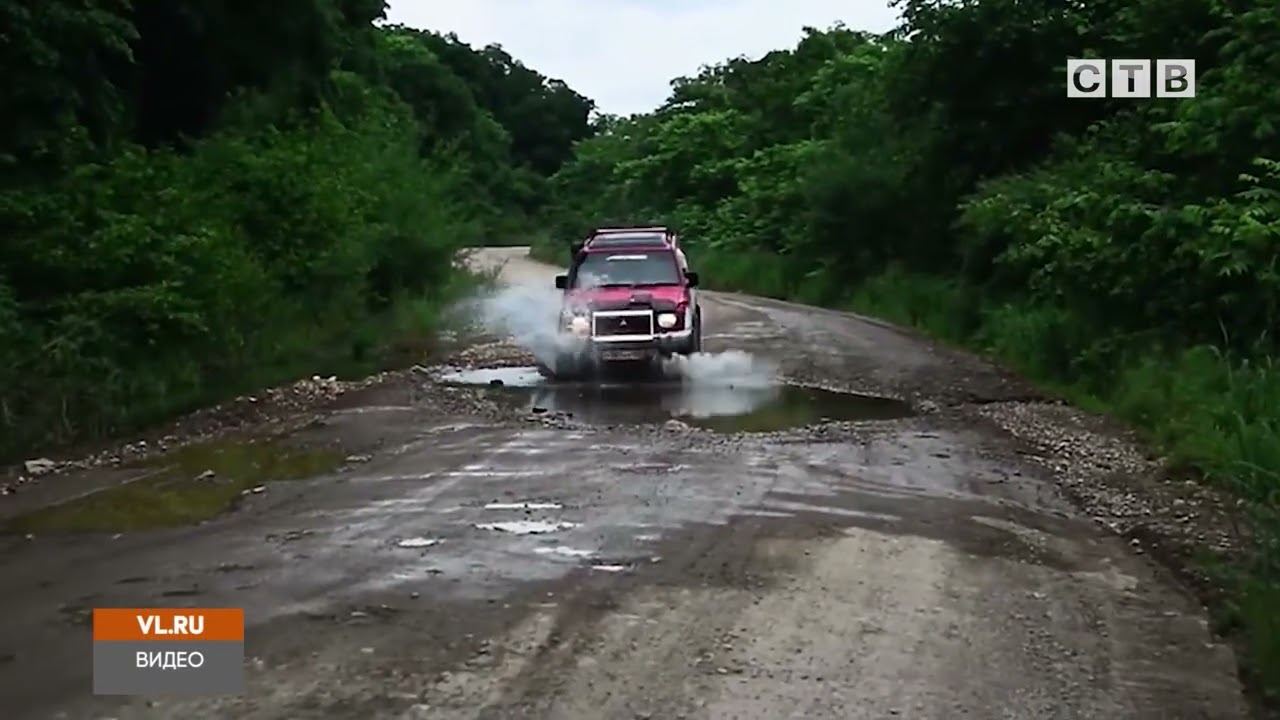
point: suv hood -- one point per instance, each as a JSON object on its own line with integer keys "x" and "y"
{"x": 622, "y": 297}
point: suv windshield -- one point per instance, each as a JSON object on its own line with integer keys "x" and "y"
{"x": 626, "y": 270}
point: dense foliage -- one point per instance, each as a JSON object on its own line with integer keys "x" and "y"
{"x": 201, "y": 196}
{"x": 938, "y": 175}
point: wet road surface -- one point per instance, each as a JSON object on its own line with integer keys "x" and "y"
{"x": 685, "y": 552}
{"x": 725, "y": 406}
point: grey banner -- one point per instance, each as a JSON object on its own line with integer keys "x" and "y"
{"x": 168, "y": 667}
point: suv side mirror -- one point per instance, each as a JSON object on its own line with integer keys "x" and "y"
{"x": 562, "y": 282}
{"x": 692, "y": 277}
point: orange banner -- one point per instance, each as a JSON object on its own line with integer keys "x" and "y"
{"x": 168, "y": 624}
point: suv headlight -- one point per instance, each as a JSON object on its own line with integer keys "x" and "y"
{"x": 666, "y": 321}
{"x": 575, "y": 320}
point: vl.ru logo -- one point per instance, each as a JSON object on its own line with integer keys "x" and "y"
{"x": 1087, "y": 78}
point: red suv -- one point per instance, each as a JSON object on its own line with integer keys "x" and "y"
{"x": 628, "y": 298}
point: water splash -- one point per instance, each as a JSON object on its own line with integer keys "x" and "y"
{"x": 731, "y": 368}
{"x": 530, "y": 313}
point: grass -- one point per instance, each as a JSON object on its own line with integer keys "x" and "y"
{"x": 179, "y": 489}
{"x": 408, "y": 332}
{"x": 404, "y": 333}
{"x": 546, "y": 249}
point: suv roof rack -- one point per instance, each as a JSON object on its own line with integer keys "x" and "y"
{"x": 637, "y": 240}
{"x": 636, "y": 236}
{"x": 631, "y": 228}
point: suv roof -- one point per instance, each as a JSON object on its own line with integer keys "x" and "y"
{"x": 652, "y": 237}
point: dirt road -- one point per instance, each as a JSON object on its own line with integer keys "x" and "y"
{"x": 778, "y": 553}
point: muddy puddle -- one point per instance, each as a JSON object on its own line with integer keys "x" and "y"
{"x": 721, "y": 407}
{"x": 184, "y": 487}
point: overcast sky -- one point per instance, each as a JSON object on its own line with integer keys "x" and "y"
{"x": 623, "y": 53}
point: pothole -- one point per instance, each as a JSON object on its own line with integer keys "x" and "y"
{"x": 720, "y": 406}
{"x": 184, "y": 487}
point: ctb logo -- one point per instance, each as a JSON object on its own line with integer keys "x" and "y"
{"x": 1087, "y": 78}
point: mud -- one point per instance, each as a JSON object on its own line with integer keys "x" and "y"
{"x": 190, "y": 485}
{"x": 721, "y": 406}
{"x": 471, "y": 564}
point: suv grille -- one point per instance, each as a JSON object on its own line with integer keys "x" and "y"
{"x": 640, "y": 324}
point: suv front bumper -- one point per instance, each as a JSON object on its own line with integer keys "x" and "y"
{"x": 624, "y": 334}
{"x": 621, "y": 348}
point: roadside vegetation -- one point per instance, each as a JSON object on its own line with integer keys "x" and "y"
{"x": 1125, "y": 251}
{"x": 198, "y": 199}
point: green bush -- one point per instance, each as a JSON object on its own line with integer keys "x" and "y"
{"x": 197, "y": 202}
{"x": 158, "y": 280}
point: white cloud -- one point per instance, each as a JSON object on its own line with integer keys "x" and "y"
{"x": 623, "y": 53}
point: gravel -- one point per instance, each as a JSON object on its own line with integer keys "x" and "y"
{"x": 1104, "y": 468}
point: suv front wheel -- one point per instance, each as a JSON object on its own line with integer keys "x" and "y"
{"x": 695, "y": 337}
